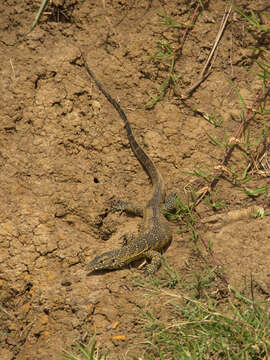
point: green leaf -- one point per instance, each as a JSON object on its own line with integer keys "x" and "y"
{"x": 256, "y": 192}
{"x": 215, "y": 141}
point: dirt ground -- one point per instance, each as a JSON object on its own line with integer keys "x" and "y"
{"x": 65, "y": 160}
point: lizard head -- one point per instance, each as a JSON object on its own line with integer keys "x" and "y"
{"x": 106, "y": 261}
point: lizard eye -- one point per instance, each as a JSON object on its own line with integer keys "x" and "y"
{"x": 102, "y": 260}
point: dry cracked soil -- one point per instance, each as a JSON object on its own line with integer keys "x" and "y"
{"x": 65, "y": 160}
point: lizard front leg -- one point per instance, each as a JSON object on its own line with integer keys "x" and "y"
{"x": 129, "y": 208}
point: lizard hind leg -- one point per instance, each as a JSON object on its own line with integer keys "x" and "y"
{"x": 170, "y": 202}
{"x": 155, "y": 258}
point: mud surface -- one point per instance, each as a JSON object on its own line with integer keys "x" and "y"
{"x": 65, "y": 160}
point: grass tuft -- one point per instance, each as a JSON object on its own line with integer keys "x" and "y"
{"x": 84, "y": 352}
{"x": 198, "y": 327}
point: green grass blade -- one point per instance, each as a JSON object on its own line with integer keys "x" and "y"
{"x": 41, "y": 8}
{"x": 243, "y": 104}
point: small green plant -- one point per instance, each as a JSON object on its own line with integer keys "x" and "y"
{"x": 202, "y": 281}
{"x": 256, "y": 192}
{"x": 84, "y": 352}
{"x": 170, "y": 22}
{"x": 165, "y": 52}
{"x": 248, "y": 144}
{"x": 168, "y": 277}
{"x": 183, "y": 213}
{"x": 265, "y": 76}
{"x": 214, "y": 203}
{"x": 253, "y": 20}
{"x": 260, "y": 213}
{"x": 212, "y": 120}
{"x": 205, "y": 174}
{"x": 227, "y": 143}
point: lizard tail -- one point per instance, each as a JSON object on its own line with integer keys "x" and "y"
{"x": 143, "y": 158}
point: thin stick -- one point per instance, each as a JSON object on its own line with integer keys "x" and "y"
{"x": 181, "y": 42}
{"x": 218, "y": 37}
{"x": 203, "y": 75}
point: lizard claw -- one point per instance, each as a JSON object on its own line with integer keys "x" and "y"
{"x": 119, "y": 206}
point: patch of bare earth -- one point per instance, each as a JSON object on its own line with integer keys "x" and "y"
{"x": 65, "y": 159}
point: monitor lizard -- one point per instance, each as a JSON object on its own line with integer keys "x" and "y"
{"x": 155, "y": 233}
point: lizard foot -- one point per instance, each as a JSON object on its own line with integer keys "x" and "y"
{"x": 170, "y": 202}
{"x": 155, "y": 264}
{"x": 127, "y": 207}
